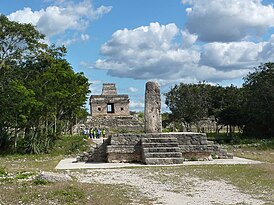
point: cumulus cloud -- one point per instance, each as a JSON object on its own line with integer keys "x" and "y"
{"x": 226, "y": 21}
{"x": 267, "y": 53}
{"x": 132, "y": 89}
{"x": 66, "y": 16}
{"x": 146, "y": 51}
{"x": 136, "y": 105}
{"x": 151, "y": 53}
{"x": 95, "y": 87}
{"x": 188, "y": 38}
{"x": 233, "y": 55}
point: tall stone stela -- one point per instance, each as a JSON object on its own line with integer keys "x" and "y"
{"x": 153, "y": 118}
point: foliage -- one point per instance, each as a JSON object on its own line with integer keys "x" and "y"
{"x": 188, "y": 102}
{"x": 250, "y": 108}
{"x": 18, "y": 42}
{"x": 41, "y": 96}
{"x": 259, "y": 105}
{"x": 70, "y": 144}
{"x": 3, "y": 171}
{"x": 68, "y": 195}
{"x": 24, "y": 175}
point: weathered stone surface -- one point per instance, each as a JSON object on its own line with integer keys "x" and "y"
{"x": 124, "y": 157}
{"x": 125, "y": 147}
{"x": 161, "y": 149}
{"x": 109, "y": 103}
{"x": 153, "y": 119}
{"x": 116, "y": 123}
{"x": 130, "y": 148}
{"x": 54, "y": 177}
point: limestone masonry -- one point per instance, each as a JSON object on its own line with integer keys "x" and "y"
{"x": 154, "y": 148}
{"x": 151, "y": 147}
{"x": 153, "y": 119}
{"x": 109, "y": 103}
{"x": 111, "y": 112}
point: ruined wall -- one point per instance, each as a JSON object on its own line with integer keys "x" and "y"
{"x": 127, "y": 147}
{"x": 116, "y": 123}
{"x": 124, "y": 148}
{"x": 99, "y": 105}
{"x": 109, "y": 103}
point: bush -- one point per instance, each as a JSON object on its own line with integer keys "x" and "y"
{"x": 70, "y": 144}
{"x": 36, "y": 143}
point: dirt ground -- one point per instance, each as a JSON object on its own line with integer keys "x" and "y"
{"x": 185, "y": 190}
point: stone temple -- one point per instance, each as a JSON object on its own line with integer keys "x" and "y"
{"x": 149, "y": 145}
{"x": 109, "y": 103}
{"x": 110, "y": 110}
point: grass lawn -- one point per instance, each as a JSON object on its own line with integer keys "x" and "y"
{"x": 18, "y": 184}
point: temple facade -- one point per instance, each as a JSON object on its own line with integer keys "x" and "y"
{"x": 109, "y": 103}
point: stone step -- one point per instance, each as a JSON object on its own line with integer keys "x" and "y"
{"x": 159, "y": 140}
{"x": 171, "y": 144}
{"x": 163, "y": 155}
{"x": 161, "y": 149}
{"x": 164, "y": 161}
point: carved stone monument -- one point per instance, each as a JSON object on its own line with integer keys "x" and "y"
{"x": 153, "y": 119}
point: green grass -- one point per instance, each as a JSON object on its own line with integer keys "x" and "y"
{"x": 70, "y": 145}
{"x": 16, "y": 170}
{"x": 67, "y": 193}
{"x": 3, "y": 171}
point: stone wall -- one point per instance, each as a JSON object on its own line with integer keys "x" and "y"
{"x": 124, "y": 148}
{"x": 127, "y": 147}
{"x": 109, "y": 103}
{"x": 119, "y": 105}
{"x": 116, "y": 123}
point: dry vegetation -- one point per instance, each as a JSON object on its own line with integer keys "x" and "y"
{"x": 19, "y": 186}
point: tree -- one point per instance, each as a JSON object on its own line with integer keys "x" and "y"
{"x": 230, "y": 113}
{"x": 40, "y": 94}
{"x": 189, "y": 103}
{"x": 259, "y": 101}
{"x": 61, "y": 94}
{"x": 18, "y": 42}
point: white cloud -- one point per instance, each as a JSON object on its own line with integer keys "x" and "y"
{"x": 234, "y": 55}
{"x": 137, "y": 105}
{"x": 95, "y": 87}
{"x": 224, "y": 21}
{"x": 132, "y": 89}
{"x": 146, "y": 52}
{"x": 267, "y": 53}
{"x": 85, "y": 37}
{"x": 26, "y": 16}
{"x": 154, "y": 53}
{"x": 65, "y": 16}
{"x": 188, "y": 39}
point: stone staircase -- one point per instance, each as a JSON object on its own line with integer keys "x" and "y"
{"x": 161, "y": 150}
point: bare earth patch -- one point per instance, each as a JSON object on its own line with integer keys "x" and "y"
{"x": 168, "y": 189}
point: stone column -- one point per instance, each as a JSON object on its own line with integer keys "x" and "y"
{"x": 153, "y": 118}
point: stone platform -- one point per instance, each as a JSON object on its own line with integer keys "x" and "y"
{"x": 155, "y": 148}
{"x": 69, "y": 164}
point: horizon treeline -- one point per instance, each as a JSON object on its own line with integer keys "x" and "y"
{"x": 249, "y": 108}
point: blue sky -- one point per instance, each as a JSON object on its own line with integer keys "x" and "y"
{"x": 169, "y": 41}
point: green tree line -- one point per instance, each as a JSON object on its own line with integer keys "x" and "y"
{"x": 250, "y": 107}
{"x": 40, "y": 95}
